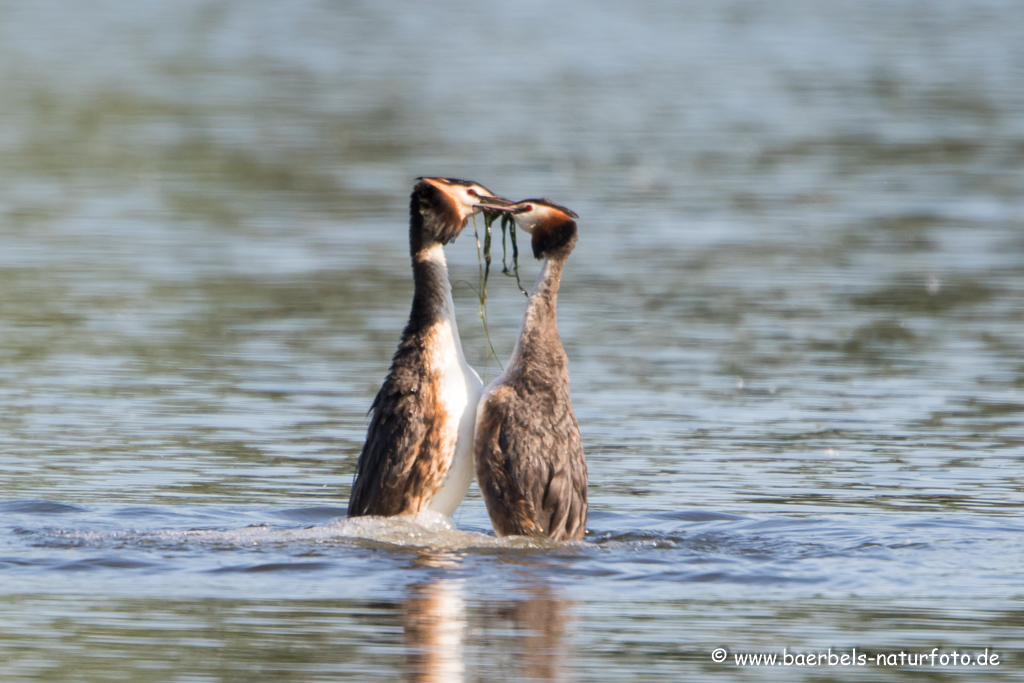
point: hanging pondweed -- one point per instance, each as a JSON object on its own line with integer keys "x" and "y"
{"x": 508, "y": 224}
{"x": 507, "y": 220}
{"x": 488, "y": 222}
{"x": 484, "y": 261}
{"x": 485, "y": 271}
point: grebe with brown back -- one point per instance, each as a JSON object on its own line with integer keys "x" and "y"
{"x": 527, "y": 448}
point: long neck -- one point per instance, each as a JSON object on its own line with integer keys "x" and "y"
{"x": 538, "y": 339}
{"x": 432, "y": 296}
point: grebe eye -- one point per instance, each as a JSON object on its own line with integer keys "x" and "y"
{"x": 471, "y": 192}
{"x": 528, "y": 208}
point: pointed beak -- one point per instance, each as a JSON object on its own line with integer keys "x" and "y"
{"x": 494, "y": 203}
{"x": 499, "y": 204}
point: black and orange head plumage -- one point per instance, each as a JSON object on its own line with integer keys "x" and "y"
{"x": 441, "y": 206}
{"x": 551, "y": 226}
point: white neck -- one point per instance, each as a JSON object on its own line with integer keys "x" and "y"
{"x": 458, "y": 386}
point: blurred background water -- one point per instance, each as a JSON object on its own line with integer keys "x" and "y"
{"x": 795, "y": 320}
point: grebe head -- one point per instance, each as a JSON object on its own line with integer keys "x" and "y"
{"x": 551, "y": 226}
{"x": 446, "y": 203}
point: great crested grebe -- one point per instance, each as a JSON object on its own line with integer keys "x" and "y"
{"x": 419, "y": 446}
{"x": 527, "y": 449}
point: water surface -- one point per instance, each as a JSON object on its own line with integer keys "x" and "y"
{"x": 794, "y": 319}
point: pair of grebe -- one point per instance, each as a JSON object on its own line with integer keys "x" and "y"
{"x": 433, "y": 424}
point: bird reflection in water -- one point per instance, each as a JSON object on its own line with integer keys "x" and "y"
{"x": 435, "y": 624}
{"x": 539, "y": 620}
{"x": 522, "y": 634}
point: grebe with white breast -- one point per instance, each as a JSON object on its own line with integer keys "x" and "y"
{"x": 418, "y": 450}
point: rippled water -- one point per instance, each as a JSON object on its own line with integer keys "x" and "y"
{"x": 795, "y": 320}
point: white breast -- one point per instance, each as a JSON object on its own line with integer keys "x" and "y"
{"x": 459, "y": 393}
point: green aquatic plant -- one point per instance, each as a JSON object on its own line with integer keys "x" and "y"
{"x": 488, "y": 222}
{"x": 484, "y": 272}
{"x": 508, "y": 226}
{"x": 508, "y": 221}
{"x": 483, "y": 254}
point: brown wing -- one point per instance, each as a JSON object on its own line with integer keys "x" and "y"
{"x": 397, "y": 473}
{"x": 530, "y": 466}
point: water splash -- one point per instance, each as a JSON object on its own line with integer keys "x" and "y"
{"x": 428, "y": 530}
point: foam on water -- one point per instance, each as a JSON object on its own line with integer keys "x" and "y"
{"x": 663, "y": 554}
{"x": 428, "y": 530}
